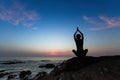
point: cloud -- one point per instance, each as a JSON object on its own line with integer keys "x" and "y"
{"x": 102, "y": 22}
{"x": 89, "y": 20}
{"x": 112, "y": 22}
{"x": 17, "y": 14}
{"x": 34, "y": 28}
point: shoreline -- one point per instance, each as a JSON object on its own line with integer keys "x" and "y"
{"x": 65, "y": 67}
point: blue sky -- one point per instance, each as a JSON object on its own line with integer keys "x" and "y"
{"x": 46, "y": 27}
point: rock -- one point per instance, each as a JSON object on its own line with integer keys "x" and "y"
{"x": 2, "y": 70}
{"x": 12, "y": 62}
{"x": 11, "y": 76}
{"x": 50, "y": 65}
{"x": 25, "y": 78}
{"x": 74, "y": 64}
{"x": 87, "y": 68}
{"x": 40, "y": 76}
{"x": 28, "y": 72}
{"x": 23, "y": 74}
{"x": 3, "y": 74}
{"x": 47, "y": 66}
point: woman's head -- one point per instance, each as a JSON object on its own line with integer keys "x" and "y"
{"x": 78, "y": 36}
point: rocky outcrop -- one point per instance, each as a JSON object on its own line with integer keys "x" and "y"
{"x": 87, "y": 68}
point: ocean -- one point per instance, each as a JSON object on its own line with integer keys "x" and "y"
{"x": 27, "y": 63}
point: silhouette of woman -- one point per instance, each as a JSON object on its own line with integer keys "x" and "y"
{"x": 79, "y": 38}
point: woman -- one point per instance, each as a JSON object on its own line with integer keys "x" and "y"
{"x": 79, "y": 38}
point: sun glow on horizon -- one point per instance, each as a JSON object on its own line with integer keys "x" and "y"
{"x": 53, "y": 53}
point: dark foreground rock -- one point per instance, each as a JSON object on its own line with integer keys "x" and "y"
{"x": 87, "y": 68}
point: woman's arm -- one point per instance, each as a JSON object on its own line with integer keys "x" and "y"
{"x": 75, "y": 34}
{"x": 80, "y": 33}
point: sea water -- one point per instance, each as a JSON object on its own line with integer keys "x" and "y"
{"x": 28, "y": 63}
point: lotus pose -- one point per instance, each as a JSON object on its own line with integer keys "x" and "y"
{"x": 79, "y": 38}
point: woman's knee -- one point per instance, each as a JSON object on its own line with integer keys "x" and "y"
{"x": 73, "y": 51}
{"x": 86, "y": 50}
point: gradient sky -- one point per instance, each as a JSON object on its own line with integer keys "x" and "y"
{"x": 46, "y": 27}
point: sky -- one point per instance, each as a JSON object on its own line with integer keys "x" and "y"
{"x": 46, "y": 27}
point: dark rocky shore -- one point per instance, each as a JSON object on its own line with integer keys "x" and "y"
{"x": 86, "y": 68}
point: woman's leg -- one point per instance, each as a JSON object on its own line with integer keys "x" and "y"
{"x": 85, "y": 52}
{"x": 75, "y": 52}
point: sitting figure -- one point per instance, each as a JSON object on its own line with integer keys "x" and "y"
{"x": 79, "y": 38}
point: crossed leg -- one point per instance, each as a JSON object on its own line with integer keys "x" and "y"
{"x": 80, "y": 53}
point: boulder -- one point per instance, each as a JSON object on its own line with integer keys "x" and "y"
{"x": 23, "y": 74}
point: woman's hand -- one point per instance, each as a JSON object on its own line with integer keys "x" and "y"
{"x": 78, "y": 29}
